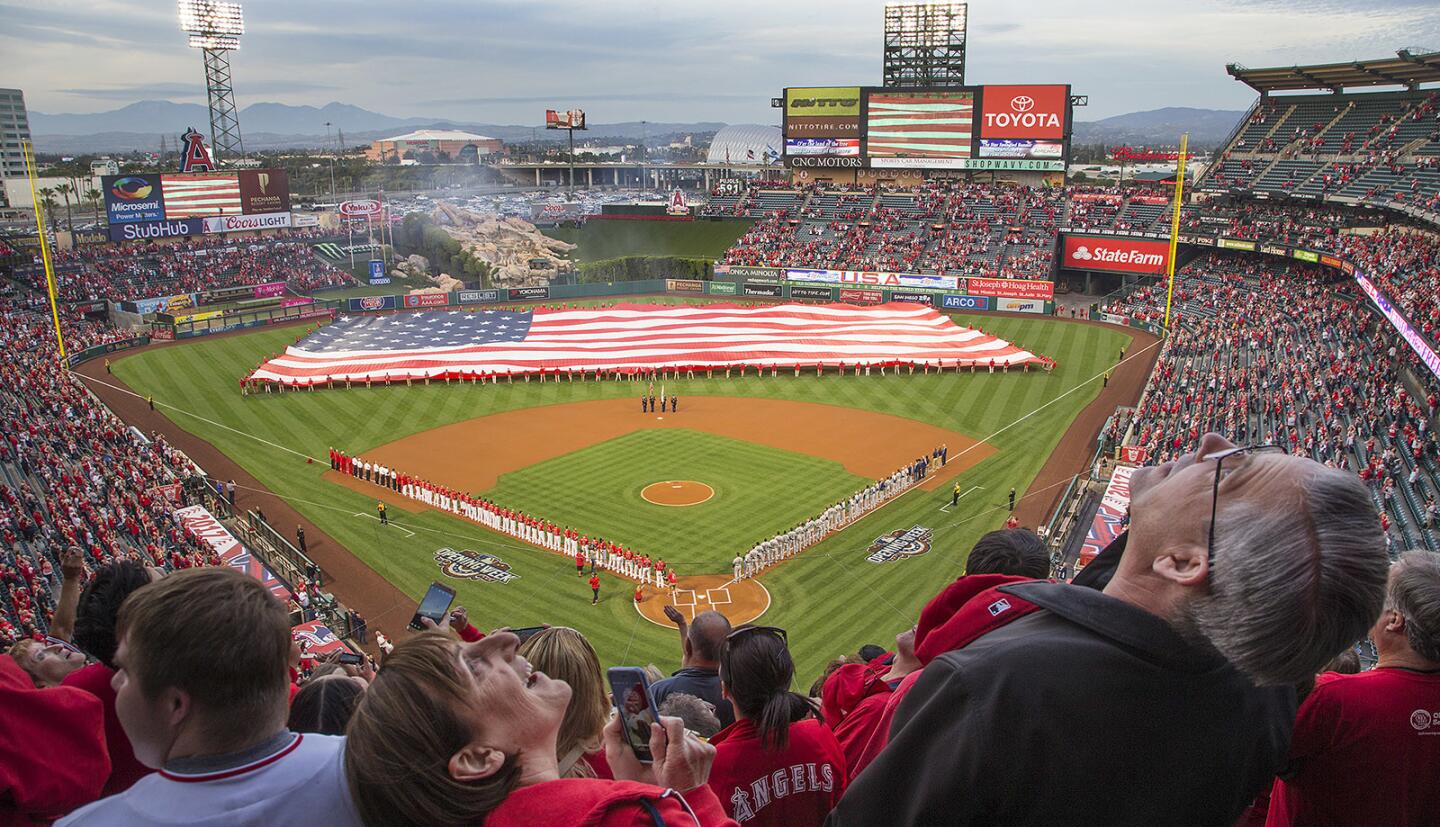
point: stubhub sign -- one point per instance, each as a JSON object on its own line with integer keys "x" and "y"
{"x": 157, "y": 229}
{"x": 1116, "y": 255}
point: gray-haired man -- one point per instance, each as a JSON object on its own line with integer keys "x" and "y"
{"x": 1176, "y": 677}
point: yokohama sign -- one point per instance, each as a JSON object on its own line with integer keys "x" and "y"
{"x": 1116, "y": 255}
{"x": 1036, "y": 112}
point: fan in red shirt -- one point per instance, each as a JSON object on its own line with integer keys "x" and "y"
{"x": 777, "y": 764}
{"x": 1383, "y": 724}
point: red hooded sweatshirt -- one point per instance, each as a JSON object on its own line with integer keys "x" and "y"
{"x": 960, "y": 613}
{"x": 853, "y": 701}
{"x": 52, "y": 748}
{"x": 794, "y": 787}
{"x": 594, "y": 802}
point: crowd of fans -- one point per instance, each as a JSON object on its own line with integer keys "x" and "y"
{"x": 116, "y": 273}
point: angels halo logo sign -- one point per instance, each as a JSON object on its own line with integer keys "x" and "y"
{"x": 473, "y": 565}
{"x": 1022, "y": 103}
{"x": 900, "y": 544}
{"x": 372, "y": 303}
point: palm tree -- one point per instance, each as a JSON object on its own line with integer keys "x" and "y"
{"x": 66, "y": 190}
{"x": 47, "y": 199}
{"x": 95, "y": 199}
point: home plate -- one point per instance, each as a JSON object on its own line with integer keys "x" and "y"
{"x": 699, "y": 598}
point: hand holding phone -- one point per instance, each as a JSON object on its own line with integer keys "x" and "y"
{"x": 351, "y": 658}
{"x": 434, "y": 606}
{"x": 527, "y": 632}
{"x": 681, "y": 761}
{"x": 636, "y": 707}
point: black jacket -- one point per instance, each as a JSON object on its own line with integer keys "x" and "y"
{"x": 702, "y": 683}
{"x": 1093, "y": 711}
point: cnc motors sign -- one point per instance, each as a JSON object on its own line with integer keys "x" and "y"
{"x": 1036, "y": 112}
{"x": 1116, "y": 255}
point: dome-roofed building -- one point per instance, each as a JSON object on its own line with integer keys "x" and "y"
{"x": 746, "y": 144}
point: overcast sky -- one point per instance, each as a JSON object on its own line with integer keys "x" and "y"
{"x": 504, "y": 61}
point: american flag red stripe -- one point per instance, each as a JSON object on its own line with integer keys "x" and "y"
{"x": 920, "y": 125}
{"x": 633, "y": 338}
{"x": 200, "y": 195}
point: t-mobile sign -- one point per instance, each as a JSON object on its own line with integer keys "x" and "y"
{"x": 1117, "y": 255}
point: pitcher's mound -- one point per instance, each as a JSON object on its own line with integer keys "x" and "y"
{"x": 742, "y": 602}
{"x": 677, "y": 492}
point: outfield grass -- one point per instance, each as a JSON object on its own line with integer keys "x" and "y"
{"x": 830, "y": 599}
{"x": 759, "y": 492}
{"x": 601, "y": 239}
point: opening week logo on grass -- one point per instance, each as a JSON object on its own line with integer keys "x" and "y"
{"x": 473, "y": 565}
{"x": 900, "y": 544}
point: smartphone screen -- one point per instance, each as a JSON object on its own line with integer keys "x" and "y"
{"x": 633, "y": 701}
{"x": 527, "y": 632}
{"x": 434, "y": 605}
{"x": 351, "y": 658}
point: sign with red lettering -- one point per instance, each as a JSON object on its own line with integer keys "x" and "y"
{"x": 1024, "y": 111}
{"x": 427, "y": 299}
{"x": 1136, "y": 454}
{"x": 1116, "y": 255}
{"x": 861, "y": 296}
{"x": 1011, "y": 288}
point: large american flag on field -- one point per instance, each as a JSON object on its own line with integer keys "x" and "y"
{"x": 920, "y": 125}
{"x": 200, "y": 195}
{"x": 631, "y": 338}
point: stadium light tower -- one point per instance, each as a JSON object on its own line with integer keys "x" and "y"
{"x": 215, "y": 27}
{"x": 925, "y": 44}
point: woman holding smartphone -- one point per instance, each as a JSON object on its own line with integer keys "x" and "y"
{"x": 778, "y": 764}
{"x": 456, "y": 733}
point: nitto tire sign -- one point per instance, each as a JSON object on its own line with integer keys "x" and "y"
{"x": 823, "y": 294}
{"x": 1115, "y": 255}
{"x": 529, "y": 293}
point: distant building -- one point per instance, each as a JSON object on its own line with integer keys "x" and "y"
{"x": 746, "y": 145}
{"x": 460, "y": 147}
{"x": 14, "y": 128}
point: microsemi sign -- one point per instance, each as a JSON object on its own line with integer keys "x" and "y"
{"x": 1117, "y": 255}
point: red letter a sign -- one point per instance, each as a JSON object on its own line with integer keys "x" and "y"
{"x": 194, "y": 157}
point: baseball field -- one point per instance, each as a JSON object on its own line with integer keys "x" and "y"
{"x": 771, "y": 450}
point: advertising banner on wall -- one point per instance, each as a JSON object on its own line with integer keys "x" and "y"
{"x": 842, "y": 147}
{"x": 1109, "y": 519}
{"x": 1330, "y": 261}
{"x": 953, "y": 302}
{"x": 852, "y": 296}
{"x": 202, "y": 524}
{"x": 1306, "y": 255}
{"x": 748, "y": 273}
{"x": 264, "y": 191}
{"x": 1235, "y": 244}
{"x": 1115, "y": 255}
{"x": 529, "y": 293}
{"x": 876, "y": 279}
{"x": 201, "y": 194}
{"x": 132, "y": 198}
{"x": 363, "y": 303}
{"x": 377, "y": 274}
{"x": 269, "y": 289}
{"x": 163, "y": 304}
{"x": 247, "y": 223}
{"x": 912, "y": 298}
{"x": 1011, "y": 288}
{"x": 822, "y": 112}
{"x": 1020, "y": 305}
{"x": 142, "y": 231}
{"x": 304, "y": 219}
{"x": 555, "y": 213}
{"x": 934, "y": 127}
{"x": 753, "y": 289}
{"x": 478, "y": 296}
{"x": 1018, "y": 148}
{"x": 1036, "y": 112}
{"x": 823, "y": 294}
{"x": 684, "y": 286}
{"x": 426, "y": 299}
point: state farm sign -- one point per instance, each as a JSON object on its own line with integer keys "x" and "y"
{"x": 1120, "y": 255}
{"x": 1024, "y": 111}
{"x": 360, "y": 207}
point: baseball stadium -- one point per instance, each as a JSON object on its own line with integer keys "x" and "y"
{"x": 886, "y": 405}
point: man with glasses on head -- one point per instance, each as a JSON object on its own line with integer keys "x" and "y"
{"x": 1243, "y": 572}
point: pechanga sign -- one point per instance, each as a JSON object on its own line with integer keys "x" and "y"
{"x": 1118, "y": 255}
{"x": 900, "y": 544}
{"x": 473, "y": 565}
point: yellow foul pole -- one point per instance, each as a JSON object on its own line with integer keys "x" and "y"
{"x": 1175, "y": 226}
{"x": 44, "y": 248}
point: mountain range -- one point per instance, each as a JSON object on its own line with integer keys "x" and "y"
{"x": 140, "y": 125}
